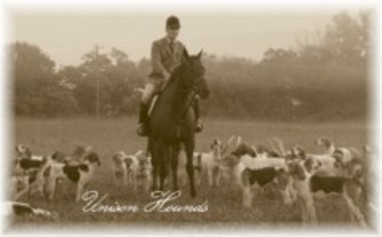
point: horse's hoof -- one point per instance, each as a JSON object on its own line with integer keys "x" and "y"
{"x": 193, "y": 194}
{"x": 153, "y": 188}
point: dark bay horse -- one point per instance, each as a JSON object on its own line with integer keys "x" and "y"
{"x": 172, "y": 121}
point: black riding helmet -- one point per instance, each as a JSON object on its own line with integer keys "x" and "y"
{"x": 173, "y": 22}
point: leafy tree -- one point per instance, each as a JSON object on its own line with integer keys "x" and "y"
{"x": 34, "y": 80}
{"x": 346, "y": 40}
{"x": 323, "y": 79}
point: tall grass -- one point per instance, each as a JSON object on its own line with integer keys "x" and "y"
{"x": 110, "y": 135}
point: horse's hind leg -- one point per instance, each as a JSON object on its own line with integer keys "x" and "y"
{"x": 174, "y": 165}
{"x": 163, "y": 167}
{"x": 189, "y": 147}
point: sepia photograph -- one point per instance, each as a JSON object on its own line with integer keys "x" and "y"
{"x": 204, "y": 117}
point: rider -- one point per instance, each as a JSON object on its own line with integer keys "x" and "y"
{"x": 166, "y": 54}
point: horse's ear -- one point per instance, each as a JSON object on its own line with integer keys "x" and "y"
{"x": 199, "y": 54}
{"x": 185, "y": 53}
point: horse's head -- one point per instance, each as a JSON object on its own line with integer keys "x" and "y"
{"x": 193, "y": 74}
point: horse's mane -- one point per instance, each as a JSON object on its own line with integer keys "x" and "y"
{"x": 178, "y": 70}
{"x": 176, "y": 73}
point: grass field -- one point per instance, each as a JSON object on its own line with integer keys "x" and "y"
{"x": 224, "y": 203}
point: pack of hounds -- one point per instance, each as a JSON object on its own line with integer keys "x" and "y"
{"x": 298, "y": 176}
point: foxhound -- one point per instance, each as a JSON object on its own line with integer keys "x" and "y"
{"x": 25, "y": 160}
{"x": 124, "y": 166}
{"x": 142, "y": 174}
{"x": 258, "y": 178}
{"x": 81, "y": 174}
{"x": 20, "y": 209}
{"x": 119, "y": 168}
{"x": 326, "y": 144}
{"x": 210, "y": 162}
{"x": 18, "y": 185}
{"x": 342, "y": 154}
{"x": 132, "y": 169}
{"x": 27, "y": 175}
{"x": 252, "y": 173}
{"x": 245, "y": 155}
{"x": 330, "y": 166}
{"x": 308, "y": 185}
{"x": 78, "y": 155}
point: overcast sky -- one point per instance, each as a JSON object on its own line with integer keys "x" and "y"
{"x": 66, "y": 36}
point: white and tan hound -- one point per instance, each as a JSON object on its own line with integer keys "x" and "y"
{"x": 330, "y": 166}
{"x": 132, "y": 169}
{"x": 142, "y": 174}
{"x": 78, "y": 155}
{"x": 27, "y": 174}
{"x": 209, "y": 162}
{"x": 251, "y": 173}
{"x": 308, "y": 184}
{"x": 20, "y": 209}
{"x": 341, "y": 154}
{"x": 123, "y": 166}
{"x": 81, "y": 174}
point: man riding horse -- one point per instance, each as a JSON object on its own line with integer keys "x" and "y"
{"x": 166, "y": 55}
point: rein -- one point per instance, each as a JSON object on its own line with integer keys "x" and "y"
{"x": 190, "y": 100}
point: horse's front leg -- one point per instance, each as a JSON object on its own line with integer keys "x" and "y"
{"x": 155, "y": 178}
{"x": 155, "y": 170}
{"x": 189, "y": 147}
{"x": 162, "y": 176}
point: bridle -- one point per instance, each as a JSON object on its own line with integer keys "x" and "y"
{"x": 190, "y": 99}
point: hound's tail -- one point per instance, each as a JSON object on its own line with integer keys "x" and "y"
{"x": 138, "y": 153}
{"x": 228, "y": 143}
{"x": 280, "y": 144}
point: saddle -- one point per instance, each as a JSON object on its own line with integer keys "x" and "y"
{"x": 153, "y": 103}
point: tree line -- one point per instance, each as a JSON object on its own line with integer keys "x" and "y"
{"x": 324, "y": 78}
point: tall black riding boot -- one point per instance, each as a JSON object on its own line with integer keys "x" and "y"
{"x": 199, "y": 124}
{"x": 143, "y": 127}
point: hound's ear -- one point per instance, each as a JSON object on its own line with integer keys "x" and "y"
{"x": 28, "y": 152}
{"x": 17, "y": 149}
{"x": 300, "y": 173}
{"x": 238, "y": 141}
{"x": 185, "y": 54}
{"x": 303, "y": 154}
{"x": 58, "y": 156}
{"x": 115, "y": 157}
{"x": 199, "y": 54}
{"x": 308, "y": 163}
